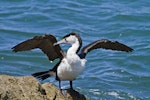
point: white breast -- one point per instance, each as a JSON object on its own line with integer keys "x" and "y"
{"x": 70, "y": 68}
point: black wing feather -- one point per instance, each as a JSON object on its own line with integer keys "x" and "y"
{"x": 105, "y": 44}
{"x": 45, "y": 43}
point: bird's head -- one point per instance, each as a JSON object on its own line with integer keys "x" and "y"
{"x": 70, "y": 38}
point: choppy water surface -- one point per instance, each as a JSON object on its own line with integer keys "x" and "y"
{"x": 109, "y": 75}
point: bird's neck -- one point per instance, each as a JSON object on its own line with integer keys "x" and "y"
{"x": 73, "y": 49}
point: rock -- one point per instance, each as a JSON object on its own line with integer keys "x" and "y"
{"x": 28, "y": 88}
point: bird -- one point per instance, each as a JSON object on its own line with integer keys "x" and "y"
{"x": 72, "y": 62}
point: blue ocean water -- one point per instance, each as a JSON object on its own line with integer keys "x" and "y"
{"x": 109, "y": 75}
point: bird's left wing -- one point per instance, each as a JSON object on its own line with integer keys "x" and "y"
{"x": 45, "y": 43}
{"x": 105, "y": 44}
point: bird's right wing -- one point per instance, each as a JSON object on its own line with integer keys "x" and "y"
{"x": 105, "y": 44}
{"x": 45, "y": 43}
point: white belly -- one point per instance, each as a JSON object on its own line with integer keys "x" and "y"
{"x": 70, "y": 70}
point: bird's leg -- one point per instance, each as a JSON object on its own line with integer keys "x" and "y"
{"x": 57, "y": 78}
{"x": 61, "y": 90}
{"x": 59, "y": 84}
{"x": 71, "y": 87}
{"x": 64, "y": 93}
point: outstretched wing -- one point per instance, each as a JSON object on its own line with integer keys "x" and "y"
{"x": 105, "y": 44}
{"x": 45, "y": 43}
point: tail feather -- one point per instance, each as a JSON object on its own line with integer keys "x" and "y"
{"x": 43, "y": 75}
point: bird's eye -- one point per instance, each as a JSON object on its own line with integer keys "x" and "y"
{"x": 66, "y": 40}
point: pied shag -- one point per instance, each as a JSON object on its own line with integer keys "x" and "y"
{"x": 71, "y": 63}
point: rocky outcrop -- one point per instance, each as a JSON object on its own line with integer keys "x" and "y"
{"x": 28, "y": 88}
